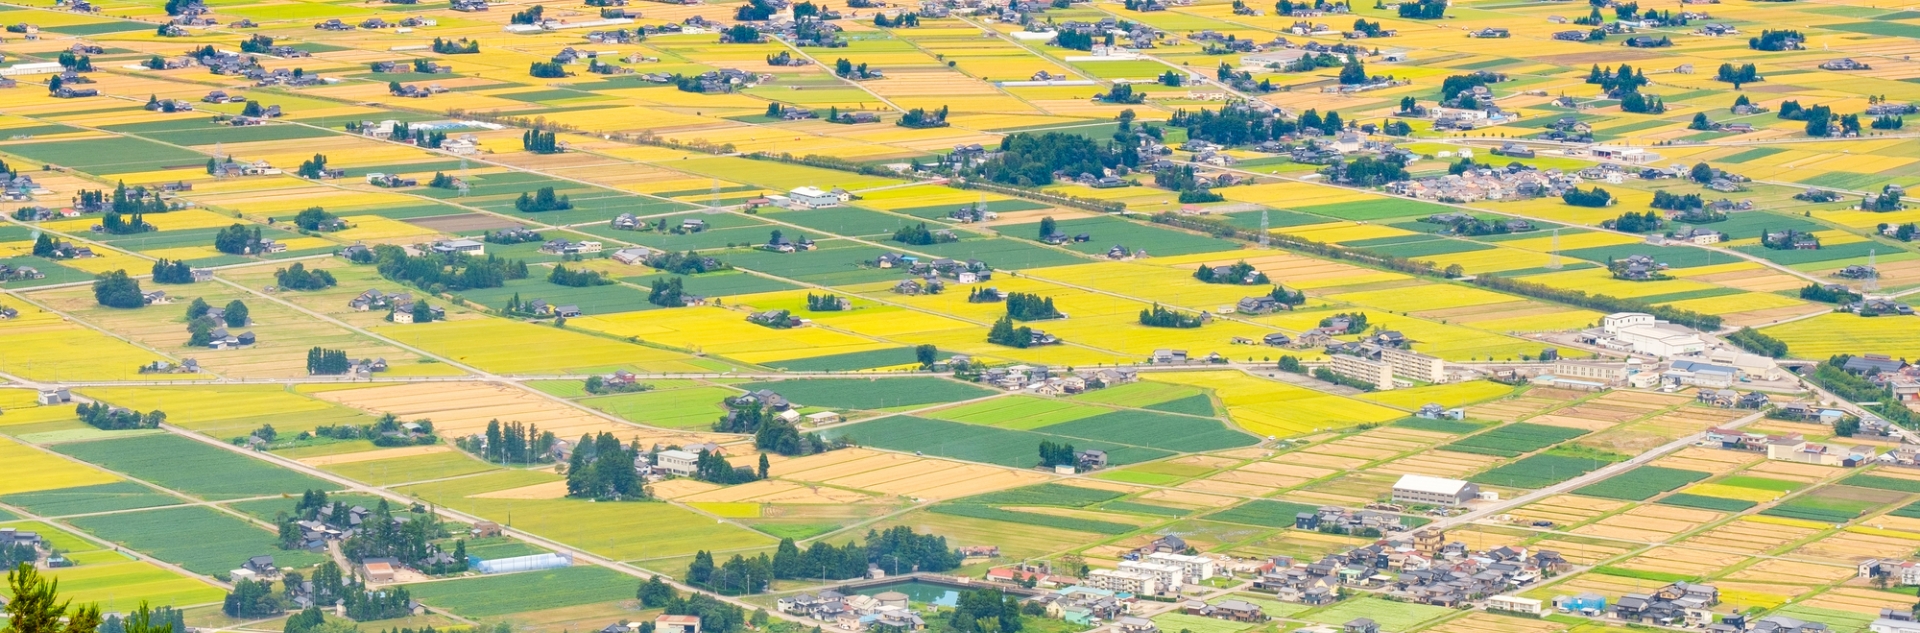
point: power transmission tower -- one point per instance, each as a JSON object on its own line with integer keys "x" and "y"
{"x": 1553, "y": 257}
{"x": 714, "y": 205}
{"x": 1872, "y": 283}
{"x": 1264, "y": 236}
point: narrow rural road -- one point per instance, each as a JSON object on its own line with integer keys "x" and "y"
{"x": 1610, "y": 470}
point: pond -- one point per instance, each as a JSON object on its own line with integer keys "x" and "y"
{"x": 917, "y": 592}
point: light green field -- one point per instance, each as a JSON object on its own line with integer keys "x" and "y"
{"x": 1019, "y": 412}
{"x": 624, "y": 531}
{"x": 694, "y": 408}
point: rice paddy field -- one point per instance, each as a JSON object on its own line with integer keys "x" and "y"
{"x": 1223, "y": 451}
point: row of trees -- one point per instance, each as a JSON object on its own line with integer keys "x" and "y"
{"x": 327, "y": 362}
{"x": 577, "y": 278}
{"x": 1057, "y": 454}
{"x": 298, "y": 277}
{"x": 172, "y": 271}
{"x": 1022, "y": 306}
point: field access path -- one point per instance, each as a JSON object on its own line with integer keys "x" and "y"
{"x": 1582, "y": 480}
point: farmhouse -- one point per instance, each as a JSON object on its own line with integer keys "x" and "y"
{"x": 677, "y": 462}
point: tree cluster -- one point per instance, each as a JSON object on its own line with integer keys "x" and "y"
{"x": 1423, "y": 10}
{"x": 117, "y": 290}
{"x": 318, "y": 219}
{"x": 436, "y": 272}
{"x": 462, "y": 46}
{"x": 1631, "y": 222}
{"x": 299, "y": 277}
{"x": 1674, "y": 202}
{"x": 1029, "y": 160}
{"x": 539, "y": 142}
{"x": 1057, "y": 454}
{"x": 512, "y": 443}
{"x": 667, "y": 293}
{"x": 1232, "y": 126}
{"x": 920, "y": 235}
{"x": 1022, "y": 306}
{"x": 1005, "y": 333}
{"x": 411, "y": 541}
{"x": 1158, "y": 316}
{"x": 601, "y": 468}
{"x": 1240, "y": 273}
{"x": 1828, "y": 294}
{"x": 1595, "y": 197}
{"x": 542, "y": 199}
{"x": 579, "y": 278}
{"x": 825, "y": 303}
{"x": 713, "y": 467}
{"x": 547, "y": 70}
{"x": 101, "y": 416}
{"x": 531, "y": 15}
{"x": 327, "y": 362}
{"x": 684, "y": 263}
{"x": 172, "y": 271}
{"x": 921, "y": 118}
{"x": 1780, "y": 40}
{"x": 238, "y": 239}
{"x": 1743, "y": 74}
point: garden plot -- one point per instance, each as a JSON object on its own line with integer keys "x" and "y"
{"x": 1792, "y": 471}
{"x": 1437, "y": 463}
{"x": 903, "y": 475}
{"x": 1272, "y": 475}
{"x": 1534, "y": 402}
{"x": 1716, "y": 461}
{"x": 1640, "y": 436}
{"x": 1865, "y": 602}
{"x": 1652, "y": 524}
{"x": 1484, "y": 622}
{"x": 1566, "y": 510}
{"x": 460, "y": 409}
{"x": 1753, "y": 535}
{"x": 1684, "y": 561}
{"x": 1584, "y": 551}
{"x": 1856, "y": 544}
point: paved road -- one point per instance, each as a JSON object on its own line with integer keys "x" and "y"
{"x": 1642, "y": 459}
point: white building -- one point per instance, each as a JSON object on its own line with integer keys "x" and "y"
{"x": 1647, "y": 335}
{"x": 1167, "y": 577}
{"x": 1890, "y": 625}
{"x": 1415, "y": 366}
{"x": 809, "y": 198}
{"x": 1421, "y": 489}
{"x": 680, "y": 463}
{"x": 1515, "y": 604}
{"x": 1124, "y": 581}
{"x": 1373, "y": 372}
{"x": 1193, "y": 569}
{"x": 469, "y": 247}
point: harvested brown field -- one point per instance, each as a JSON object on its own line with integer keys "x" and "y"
{"x": 1438, "y": 464}
{"x": 1232, "y": 488}
{"x": 681, "y": 487}
{"x": 1565, "y": 510}
{"x": 1653, "y": 524}
{"x": 776, "y": 491}
{"x": 1357, "y": 450}
{"x": 367, "y": 456}
{"x": 1682, "y": 560}
{"x": 1750, "y": 536}
{"x": 1852, "y": 547}
{"x": 1862, "y": 601}
{"x": 1708, "y": 460}
{"x": 1572, "y": 422}
{"x": 1193, "y": 500}
{"x": 1526, "y": 405}
{"x": 464, "y": 408}
{"x": 464, "y": 222}
{"x": 1607, "y": 585}
{"x": 1582, "y": 551}
{"x": 1483, "y": 622}
{"x": 1310, "y": 457}
{"x": 1780, "y": 570}
{"x": 1794, "y": 471}
{"x": 905, "y": 475}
